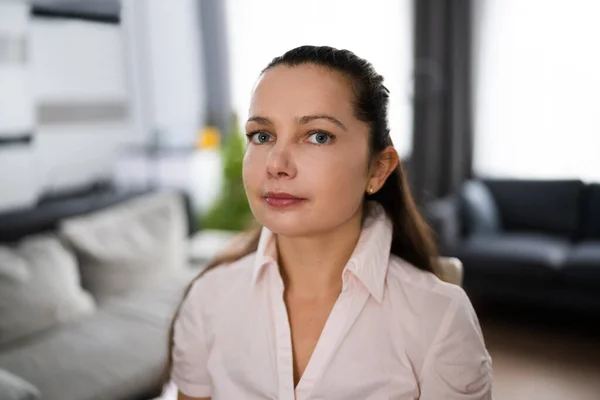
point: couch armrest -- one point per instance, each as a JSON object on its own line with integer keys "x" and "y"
{"x": 452, "y": 270}
{"x": 443, "y": 215}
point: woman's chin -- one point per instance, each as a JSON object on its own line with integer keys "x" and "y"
{"x": 303, "y": 221}
{"x": 287, "y": 221}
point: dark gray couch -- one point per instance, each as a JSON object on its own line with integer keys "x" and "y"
{"x": 118, "y": 352}
{"x": 525, "y": 241}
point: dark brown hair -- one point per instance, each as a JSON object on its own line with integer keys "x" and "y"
{"x": 411, "y": 239}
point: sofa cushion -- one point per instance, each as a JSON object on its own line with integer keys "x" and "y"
{"x": 118, "y": 353}
{"x": 517, "y": 255}
{"x": 591, "y": 213}
{"x": 14, "y": 388}
{"x": 478, "y": 209}
{"x": 39, "y": 288}
{"x": 582, "y": 267}
{"x": 551, "y": 207}
{"x": 133, "y": 245}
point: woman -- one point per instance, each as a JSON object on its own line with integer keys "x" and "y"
{"x": 338, "y": 297}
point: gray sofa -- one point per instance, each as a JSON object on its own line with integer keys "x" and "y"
{"x": 114, "y": 350}
{"x": 525, "y": 241}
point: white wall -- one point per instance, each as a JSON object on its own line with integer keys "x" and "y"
{"x": 16, "y": 111}
{"x": 176, "y": 72}
{"x": 164, "y": 63}
{"x": 78, "y": 62}
{"x": 17, "y": 164}
{"x": 70, "y": 63}
{"x": 151, "y": 63}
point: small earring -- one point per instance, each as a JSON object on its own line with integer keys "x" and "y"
{"x": 370, "y": 189}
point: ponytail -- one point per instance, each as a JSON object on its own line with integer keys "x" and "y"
{"x": 412, "y": 239}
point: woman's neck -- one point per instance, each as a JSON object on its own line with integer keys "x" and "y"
{"x": 311, "y": 267}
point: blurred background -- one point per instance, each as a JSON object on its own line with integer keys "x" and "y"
{"x": 120, "y": 161}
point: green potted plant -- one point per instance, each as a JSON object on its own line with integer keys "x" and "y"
{"x": 231, "y": 211}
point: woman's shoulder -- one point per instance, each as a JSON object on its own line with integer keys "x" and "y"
{"x": 425, "y": 308}
{"x": 404, "y": 274}
{"x": 428, "y": 297}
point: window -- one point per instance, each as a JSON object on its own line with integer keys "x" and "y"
{"x": 537, "y": 91}
{"x": 260, "y": 30}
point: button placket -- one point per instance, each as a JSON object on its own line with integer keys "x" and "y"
{"x": 283, "y": 338}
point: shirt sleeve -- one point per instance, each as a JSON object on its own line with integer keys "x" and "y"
{"x": 190, "y": 351}
{"x": 457, "y": 366}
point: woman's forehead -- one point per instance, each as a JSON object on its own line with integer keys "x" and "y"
{"x": 302, "y": 90}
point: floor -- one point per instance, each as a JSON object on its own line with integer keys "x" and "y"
{"x": 543, "y": 358}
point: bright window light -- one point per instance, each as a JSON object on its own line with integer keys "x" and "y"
{"x": 260, "y": 30}
{"x": 537, "y": 88}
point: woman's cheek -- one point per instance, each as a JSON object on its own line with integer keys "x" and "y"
{"x": 250, "y": 171}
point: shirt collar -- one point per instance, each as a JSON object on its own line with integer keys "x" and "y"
{"x": 368, "y": 262}
{"x": 266, "y": 253}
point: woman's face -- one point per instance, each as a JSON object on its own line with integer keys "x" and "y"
{"x": 306, "y": 165}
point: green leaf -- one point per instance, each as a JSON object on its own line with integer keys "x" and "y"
{"x": 231, "y": 211}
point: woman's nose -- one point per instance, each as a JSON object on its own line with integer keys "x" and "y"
{"x": 280, "y": 163}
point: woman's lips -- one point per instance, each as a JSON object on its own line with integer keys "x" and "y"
{"x": 281, "y": 200}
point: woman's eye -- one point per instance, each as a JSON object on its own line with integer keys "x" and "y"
{"x": 320, "y": 138}
{"x": 260, "y": 137}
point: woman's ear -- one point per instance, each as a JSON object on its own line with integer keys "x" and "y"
{"x": 382, "y": 166}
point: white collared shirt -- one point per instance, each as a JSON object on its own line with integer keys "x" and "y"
{"x": 395, "y": 332}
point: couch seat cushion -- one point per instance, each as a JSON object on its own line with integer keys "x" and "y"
{"x": 582, "y": 267}
{"x": 518, "y": 255}
{"x": 117, "y": 353}
{"x": 14, "y": 388}
{"x": 39, "y": 287}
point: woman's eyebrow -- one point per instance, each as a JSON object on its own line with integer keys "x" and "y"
{"x": 260, "y": 120}
{"x": 301, "y": 120}
{"x": 308, "y": 118}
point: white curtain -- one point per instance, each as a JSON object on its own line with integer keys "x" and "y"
{"x": 380, "y": 32}
{"x": 537, "y": 89}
